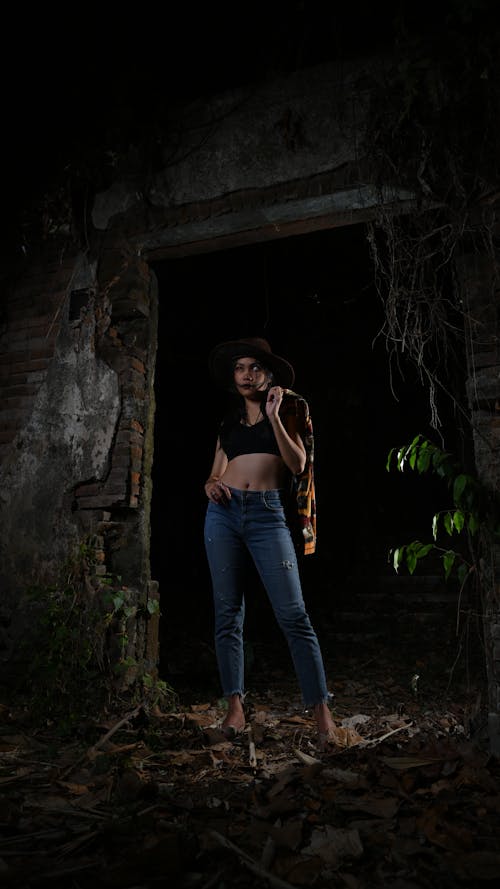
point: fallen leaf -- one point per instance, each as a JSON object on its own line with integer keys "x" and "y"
{"x": 408, "y": 762}
{"x": 334, "y": 845}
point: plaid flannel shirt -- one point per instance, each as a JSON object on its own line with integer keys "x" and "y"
{"x": 295, "y": 405}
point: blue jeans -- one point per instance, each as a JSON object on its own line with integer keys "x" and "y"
{"x": 254, "y": 522}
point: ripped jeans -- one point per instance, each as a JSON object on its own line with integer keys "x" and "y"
{"x": 254, "y": 521}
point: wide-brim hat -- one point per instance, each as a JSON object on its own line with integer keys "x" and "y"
{"x": 222, "y": 357}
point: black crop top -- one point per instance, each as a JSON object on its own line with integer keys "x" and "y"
{"x": 236, "y": 439}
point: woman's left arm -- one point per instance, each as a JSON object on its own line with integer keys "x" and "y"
{"x": 286, "y": 432}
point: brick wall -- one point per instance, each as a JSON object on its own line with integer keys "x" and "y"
{"x": 124, "y": 343}
{"x": 77, "y": 352}
{"x": 28, "y": 331}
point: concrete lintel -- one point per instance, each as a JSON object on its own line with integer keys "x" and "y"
{"x": 277, "y": 220}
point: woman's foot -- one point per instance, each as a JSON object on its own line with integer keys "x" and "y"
{"x": 234, "y": 721}
{"x": 325, "y": 724}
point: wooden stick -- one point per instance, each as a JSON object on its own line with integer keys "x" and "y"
{"x": 99, "y": 743}
{"x": 115, "y": 728}
{"x": 252, "y": 757}
{"x": 373, "y": 741}
{"x": 249, "y": 862}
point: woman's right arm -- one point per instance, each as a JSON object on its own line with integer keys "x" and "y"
{"x": 214, "y": 487}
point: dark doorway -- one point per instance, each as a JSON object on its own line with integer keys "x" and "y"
{"x": 313, "y": 297}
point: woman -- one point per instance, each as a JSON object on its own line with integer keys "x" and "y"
{"x": 261, "y": 447}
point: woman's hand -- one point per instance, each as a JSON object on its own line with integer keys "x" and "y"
{"x": 288, "y": 438}
{"x": 274, "y": 399}
{"x": 217, "y": 491}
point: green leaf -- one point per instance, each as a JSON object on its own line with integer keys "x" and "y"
{"x": 472, "y": 523}
{"x": 401, "y": 458}
{"x": 448, "y": 562}
{"x": 458, "y": 519}
{"x": 424, "y": 550}
{"x": 448, "y": 522}
{"x": 459, "y": 487}
{"x": 435, "y": 525}
{"x": 389, "y": 459}
{"x": 441, "y": 464}
{"x": 395, "y": 559}
{"x": 411, "y": 561}
{"x": 398, "y": 557}
{"x": 424, "y": 459}
{"x": 411, "y": 453}
{"x": 438, "y": 458}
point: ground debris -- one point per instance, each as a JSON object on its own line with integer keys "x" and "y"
{"x": 407, "y": 797}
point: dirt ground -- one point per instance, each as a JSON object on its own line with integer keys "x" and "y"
{"x": 145, "y": 797}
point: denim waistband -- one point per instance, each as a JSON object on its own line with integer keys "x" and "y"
{"x": 241, "y": 494}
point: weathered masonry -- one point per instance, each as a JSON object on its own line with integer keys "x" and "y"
{"x": 79, "y": 327}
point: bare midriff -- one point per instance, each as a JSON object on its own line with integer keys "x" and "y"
{"x": 255, "y": 472}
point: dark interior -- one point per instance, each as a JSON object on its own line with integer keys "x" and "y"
{"x": 313, "y": 297}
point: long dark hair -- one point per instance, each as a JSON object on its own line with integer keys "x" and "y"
{"x": 237, "y": 409}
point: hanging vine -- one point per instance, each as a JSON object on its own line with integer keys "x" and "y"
{"x": 434, "y": 130}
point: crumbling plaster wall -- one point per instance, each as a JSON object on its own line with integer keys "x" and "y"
{"x": 77, "y": 443}
{"x": 62, "y": 441}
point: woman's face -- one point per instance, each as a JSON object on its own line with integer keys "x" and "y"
{"x": 250, "y": 376}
